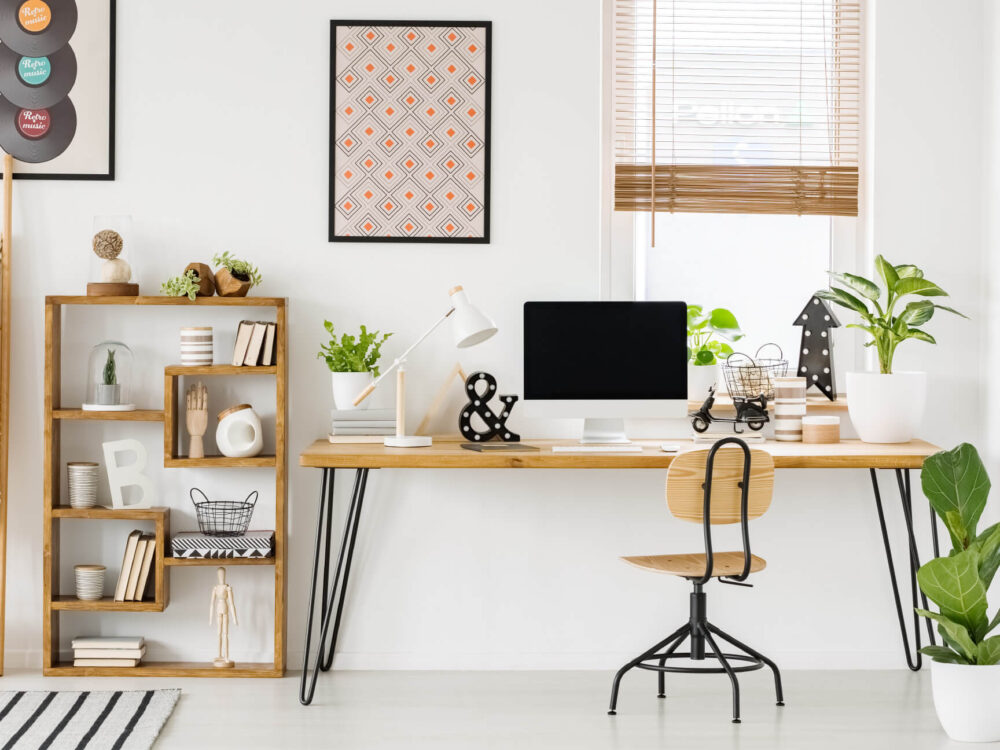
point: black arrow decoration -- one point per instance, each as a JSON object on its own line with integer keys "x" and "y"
{"x": 816, "y": 349}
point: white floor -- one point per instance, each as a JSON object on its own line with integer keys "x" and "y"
{"x": 528, "y": 710}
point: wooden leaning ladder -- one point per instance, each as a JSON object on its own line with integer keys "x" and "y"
{"x": 5, "y": 245}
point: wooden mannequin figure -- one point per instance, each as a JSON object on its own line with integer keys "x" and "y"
{"x": 222, "y": 605}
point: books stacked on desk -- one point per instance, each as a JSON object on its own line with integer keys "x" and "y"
{"x": 192, "y": 545}
{"x": 113, "y": 651}
{"x": 361, "y": 425}
{"x": 134, "y": 578}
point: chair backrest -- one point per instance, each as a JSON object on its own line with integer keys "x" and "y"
{"x": 686, "y": 484}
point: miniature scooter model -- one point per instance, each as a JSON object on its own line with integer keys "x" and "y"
{"x": 749, "y": 411}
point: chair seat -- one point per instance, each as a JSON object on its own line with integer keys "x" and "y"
{"x": 723, "y": 563}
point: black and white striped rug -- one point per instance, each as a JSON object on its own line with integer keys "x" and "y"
{"x": 126, "y": 719}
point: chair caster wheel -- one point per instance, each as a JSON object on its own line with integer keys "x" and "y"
{"x": 737, "y": 721}
{"x": 612, "y": 713}
{"x": 780, "y": 703}
{"x": 661, "y": 695}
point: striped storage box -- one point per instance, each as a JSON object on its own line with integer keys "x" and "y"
{"x": 196, "y": 346}
{"x": 789, "y": 408}
{"x": 193, "y": 544}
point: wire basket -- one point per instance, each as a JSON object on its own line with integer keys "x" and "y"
{"x": 223, "y": 517}
{"x": 751, "y": 377}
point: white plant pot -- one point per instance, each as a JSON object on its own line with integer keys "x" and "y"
{"x": 886, "y": 408}
{"x": 967, "y": 700}
{"x": 700, "y": 379}
{"x": 347, "y": 386}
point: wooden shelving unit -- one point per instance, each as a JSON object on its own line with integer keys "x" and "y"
{"x": 54, "y": 601}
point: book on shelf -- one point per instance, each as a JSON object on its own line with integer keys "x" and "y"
{"x": 243, "y": 334}
{"x": 363, "y": 415}
{"x": 109, "y": 641}
{"x": 255, "y": 343}
{"x": 363, "y": 430}
{"x": 129, "y": 558}
{"x": 268, "y": 355}
{"x": 136, "y": 569}
{"x": 343, "y": 424}
{"x": 256, "y": 346}
{"x": 357, "y": 438}
{"x": 105, "y": 662}
{"x": 109, "y": 653}
{"x": 143, "y": 584}
{"x": 193, "y": 545}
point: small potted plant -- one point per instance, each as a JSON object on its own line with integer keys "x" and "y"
{"x": 704, "y": 351}
{"x": 109, "y": 390}
{"x": 965, "y": 671}
{"x": 887, "y": 406}
{"x": 235, "y": 277}
{"x": 187, "y": 285}
{"x": 353, "y": 362}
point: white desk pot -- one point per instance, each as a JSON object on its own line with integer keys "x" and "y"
{"x": 239, "y": 433}
{"x": 967, "y": 700}
{"x": 347, "y": 386}
{"x": 886, "y": 408}
{"x": 700, "y": 379}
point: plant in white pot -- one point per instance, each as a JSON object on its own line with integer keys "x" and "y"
{"x": 887, "y": 406}
{"x": 704, "y": 350}
{"x": 965, "y": 672}
{"x": 353, "y": 362}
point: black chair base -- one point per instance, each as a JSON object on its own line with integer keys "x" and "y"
{"x": 700, "y": 631}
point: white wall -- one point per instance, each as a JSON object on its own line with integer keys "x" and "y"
{"x": 222, "y": 144}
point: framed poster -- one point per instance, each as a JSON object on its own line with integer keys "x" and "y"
{"x": 410, "y": 131}
{"x": 57, "y": 88}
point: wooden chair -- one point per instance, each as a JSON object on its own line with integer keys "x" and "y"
{"x": 728, "y": 483}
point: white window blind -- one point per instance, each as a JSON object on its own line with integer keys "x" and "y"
{"x": 737, "y": 106}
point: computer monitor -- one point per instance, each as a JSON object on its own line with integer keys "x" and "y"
{"x": 605, "y": 362}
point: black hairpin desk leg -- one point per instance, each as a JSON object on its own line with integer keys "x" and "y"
{"x": 332, "y": 594}
{"x": 913, "y": 658}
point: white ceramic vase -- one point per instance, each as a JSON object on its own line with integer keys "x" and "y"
{"x": 239, "y": 433}
{"x": 700, "y": 379}
{"x": 967, "y": 699}
{"x": 886, "y": 408}
{"x": 347, "y": 386}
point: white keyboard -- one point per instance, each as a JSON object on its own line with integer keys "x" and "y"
{"x": 597, "y": 449}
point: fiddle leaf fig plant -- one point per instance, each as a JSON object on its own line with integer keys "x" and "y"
{"x": 352, "y": 354}
{"x": 888, "y": 325}
{"x": 702, "y": 326}
{"x": 957, "y": 486}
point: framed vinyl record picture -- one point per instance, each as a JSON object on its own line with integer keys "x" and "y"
{"x": 410, "y": 131}
{"x": 57, "y": 88}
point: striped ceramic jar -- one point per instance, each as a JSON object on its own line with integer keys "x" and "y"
{"x": 789, "y": 408}
{"x": 196, "y": 346}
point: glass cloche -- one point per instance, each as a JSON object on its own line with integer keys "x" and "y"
{"x": 109, "y": 378}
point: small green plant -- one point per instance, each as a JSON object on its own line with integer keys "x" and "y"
{"x": 702, "y": 326}
{"x": 241, "y": 269}
{"x": 887, "y": 328}
{"x": 352, "y": 354}
{"x": 957, "y": 486}
{"x": 110, "y": 371}
{"x": 179, "y": 286}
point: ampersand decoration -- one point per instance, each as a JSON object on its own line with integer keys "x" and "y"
{"x": 480, "y": 388}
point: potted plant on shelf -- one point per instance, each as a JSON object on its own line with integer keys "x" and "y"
{"x": 235, "y": 277}
{"x": 887, "y": 406}
{"x": 353, "y": 362}
{"x": 965, "y": 671}
{"x": 705, "y": 352}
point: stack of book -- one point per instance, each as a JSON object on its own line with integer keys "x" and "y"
{"x": 361, "y": 425}
{"x": 255, "y": 344}
{"x": 134, "y": 578}
{"x": 97, "y": 651}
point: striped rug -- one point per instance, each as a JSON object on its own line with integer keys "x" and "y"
{"x": 126, "y": 719}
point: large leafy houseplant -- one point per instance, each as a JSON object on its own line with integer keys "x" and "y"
{"x": 957, "y": 486}
{"x": 702, "y": 348}
{"x": 885, "y": 322}
{"x": 350, "y": 353}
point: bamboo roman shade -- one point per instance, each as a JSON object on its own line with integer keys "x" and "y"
{"x": 743, "y": 106}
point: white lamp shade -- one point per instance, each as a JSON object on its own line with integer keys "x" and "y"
{"x": 468, "y": 323}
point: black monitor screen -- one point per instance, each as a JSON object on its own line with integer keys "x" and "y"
{"x": 605, "y": 350}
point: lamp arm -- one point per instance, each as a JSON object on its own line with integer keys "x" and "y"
{"x": 401, "y": 358}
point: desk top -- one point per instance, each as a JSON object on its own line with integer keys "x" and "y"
{"x": 446, "y": 453}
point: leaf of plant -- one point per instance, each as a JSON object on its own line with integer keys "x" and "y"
{"x": 951, "y": 310}
{"x": 993, "y": 623}
{"x": 916, "y": 333}
{"x": 860, "y": 284}
{"x": 693, "y": 314}
{"x": 704, "y": 357}
{"x": 953, "y": 584}
{"x": 917, "y": 313}
{"x": 923, "y": 287}
{"x": 723, "y": 320}
{"x": 844, "y": 299}
{"x": 943, "y": 654}
{"x": 726, "y": 349}
{"x": 956, "y": 480}
{"x": 900, "y": 328}
{"x": 987, "y": 550}
{"x": 887, "y": 271}
{"x": 958, "y": 634}
{"x": 907, "y": 271}
{"x": 988, "y": 651}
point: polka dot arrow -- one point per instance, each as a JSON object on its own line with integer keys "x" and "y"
{"x": 816, "y": 349}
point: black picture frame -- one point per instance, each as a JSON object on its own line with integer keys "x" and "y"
{"x": 487, "y": 131}
{"x": 112, "y": 64}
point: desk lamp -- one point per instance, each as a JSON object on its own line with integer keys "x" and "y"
{"x": 469, "y": 326}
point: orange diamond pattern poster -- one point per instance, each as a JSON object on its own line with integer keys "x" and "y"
{"x": 410, "y": 131}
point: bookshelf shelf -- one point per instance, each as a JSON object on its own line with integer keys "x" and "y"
{"x": 54, "y": 602}
{"x": 194, "y": 562}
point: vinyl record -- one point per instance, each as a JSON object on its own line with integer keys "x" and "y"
{"x": 36, "y": 82}
{"x": 36, "y": 28}
{"x": 36, "y": 135}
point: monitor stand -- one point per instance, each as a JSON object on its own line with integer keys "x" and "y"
{"x": 604, "y": 431}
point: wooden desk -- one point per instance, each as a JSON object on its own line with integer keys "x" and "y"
{"x": 446, "y": 453}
